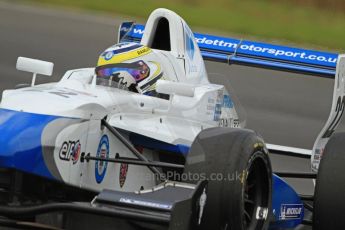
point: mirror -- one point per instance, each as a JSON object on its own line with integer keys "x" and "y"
{"x": 34, "y": 66}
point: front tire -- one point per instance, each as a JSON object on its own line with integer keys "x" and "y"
{"x": 239, "y": 174}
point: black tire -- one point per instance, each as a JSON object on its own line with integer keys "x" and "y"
{"x": 239, "y": 156}
{"x": 329, "y": 198}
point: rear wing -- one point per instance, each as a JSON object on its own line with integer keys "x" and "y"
{"x": 243, "y": 52}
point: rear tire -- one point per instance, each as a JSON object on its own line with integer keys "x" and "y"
{"x": 329, "y": 202}
{"x": 239, "y": 174}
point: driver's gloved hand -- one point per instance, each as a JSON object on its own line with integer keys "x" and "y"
{"x": 124, "y": 80}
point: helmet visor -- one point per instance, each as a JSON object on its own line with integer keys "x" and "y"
{"x": 138, "y": 70}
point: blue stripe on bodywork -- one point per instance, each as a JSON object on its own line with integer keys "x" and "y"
{"x": 20, "y": 141}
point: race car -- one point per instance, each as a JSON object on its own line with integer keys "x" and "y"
{"x": 144, "y": 140}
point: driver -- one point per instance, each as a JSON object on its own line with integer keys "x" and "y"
{"x": 129, "y": 66}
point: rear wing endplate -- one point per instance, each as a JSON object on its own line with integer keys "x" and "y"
{"x": 335, "y": 116}
{"x": 243, "y": 52}
{"x": 333, "y": 121}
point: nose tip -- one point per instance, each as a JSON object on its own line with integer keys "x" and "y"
{"x": 20, "y": 140}
{"x": 18, "y": 135}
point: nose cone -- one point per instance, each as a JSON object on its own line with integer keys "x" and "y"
{"x": 20, "y": 141}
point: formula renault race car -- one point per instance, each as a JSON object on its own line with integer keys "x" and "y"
{"x": 144, "y": 140}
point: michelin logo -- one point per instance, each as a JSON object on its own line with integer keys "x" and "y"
{"x": 291, "y": 211}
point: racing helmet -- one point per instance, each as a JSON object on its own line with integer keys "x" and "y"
{"x": 129, "y": 66}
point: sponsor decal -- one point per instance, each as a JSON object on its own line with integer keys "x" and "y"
{"x": 102, "y": 152}
{"x": 124, "y": 54}
{"x": 218, "y": 106}
{"x": 124, "y": 29}
{"x": 316, "y": 158}
{"x": 290, "y": 211}
{"x": 70, "y": 150}
{"x": 189, "y": 42}
{"x": 217, "y": 112}
{"x": 337, "y": 115}
{"x": 318, "y": 154}
{"x": 138, "y": 31}
{"x": 143, "y": 51}
{"x": 201, "y": 205}
{"x": 227, "y": 102}
{"x": 60, "y": 92}
{"x": 223, "y": 101}
{"x": 108, "y": 55}
{"x": 211, "y": 105}
{"x": 261, "y": 49}
{"x": 120, "y": 48}
{"x": 123, "y": 174}
{"x": 261, "y": 213}
{"x": 145, "y": 203}
{"x": 191, "y": 49}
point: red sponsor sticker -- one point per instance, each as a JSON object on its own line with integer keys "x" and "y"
{"x": 123, "y": 174}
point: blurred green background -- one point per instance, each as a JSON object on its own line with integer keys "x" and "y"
{"x": 307, "y": 23}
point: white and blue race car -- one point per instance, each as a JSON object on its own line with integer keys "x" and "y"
{"x": 145, "y": 139}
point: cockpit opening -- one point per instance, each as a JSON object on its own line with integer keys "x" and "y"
{"x": 161, "y": 37}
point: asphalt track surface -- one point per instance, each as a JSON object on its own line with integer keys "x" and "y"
{"x": 285, "y": 108}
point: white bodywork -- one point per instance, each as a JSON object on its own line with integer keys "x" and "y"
{"x": 185, "y": 54}
{"x": 80, "y": 104}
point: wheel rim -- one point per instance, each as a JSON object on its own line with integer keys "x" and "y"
{"x": 256, "y": 193}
